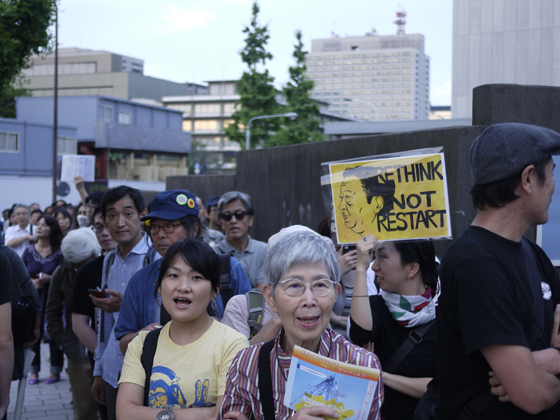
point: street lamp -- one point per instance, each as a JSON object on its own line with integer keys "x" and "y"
{"x": 365, "y": 102}
{"x": 290, "y": 115}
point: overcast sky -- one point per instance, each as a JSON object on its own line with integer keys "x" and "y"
{"x": 195, "y": 40}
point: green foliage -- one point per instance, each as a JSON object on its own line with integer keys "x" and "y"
{"x": 306, "y": 127}
{"x": 24, "y": 28}
{"x": 256, "y": 90}
{"x": 8, "y": 97}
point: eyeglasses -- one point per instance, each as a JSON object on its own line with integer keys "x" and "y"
{"x": 296, "y": 287}
{"x": 168, "y": 228}
{"x": 98, "y": 228}
{"x": 239, "y": 215}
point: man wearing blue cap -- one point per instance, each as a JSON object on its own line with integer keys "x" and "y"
{"x": 496, "y": 357}
{"x": 173, "y": 218}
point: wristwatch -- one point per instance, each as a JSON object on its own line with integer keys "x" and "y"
{"x": 165, "y": 415}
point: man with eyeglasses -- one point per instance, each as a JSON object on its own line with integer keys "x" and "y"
{"x": 212, "y": 214}
{"x": 235, "y": 212}
{"x": 210, "y": 236}
{"x": 18, "y": 237}
{"x": 173, "y": 218}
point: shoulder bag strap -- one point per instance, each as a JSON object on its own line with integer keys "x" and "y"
{"x": 225, "y": 289}
{"x": 255, "y": 310}
{"x": 110, "y": 262}
{"x": 415, "y": 337}
{"x": 147, "y": 359}
{"x": 265, "y": 381}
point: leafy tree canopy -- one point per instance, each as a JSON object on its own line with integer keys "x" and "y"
{"x": 306, "y": 127}
{"x": 24, "y": 30}
{"x": 256, "y": 90}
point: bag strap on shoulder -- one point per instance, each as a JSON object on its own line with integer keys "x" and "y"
{"x": 225, "y": 289}
{"x": 415, "y": 337}
{"x": 147, "y": 359}
{"x": 255, "y": 309}
{"x": 265, "y": 381}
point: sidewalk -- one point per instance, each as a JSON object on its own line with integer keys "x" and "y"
{"x": 45, "y": 401}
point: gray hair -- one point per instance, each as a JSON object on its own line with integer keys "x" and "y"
{"x": 297, "y": 249}
{"x": 79, "y": 245}
{"x": 236, "y": 195}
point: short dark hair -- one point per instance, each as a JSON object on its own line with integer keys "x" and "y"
{"x": 499, "y": 193}
{"x": 64, "y": 212}
{"x": 424, "y": 253}
{"x": 372, "y": 187}
{"x": 95, "y": 196}
{"x": 56, "y": 236}
{"x": 34, "y": 211}
{"x": 198, "y": 255}
{"x": 118, "y": 193}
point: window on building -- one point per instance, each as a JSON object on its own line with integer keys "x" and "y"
{"x": 186, "y": 108}
{"x": 187, "y": 125}
{"x": 9, "y": 142}
{"x": 229, "y": 109}
{"x": 125, "y": 118}
{"x": 106, "y": 113}
{"x": 205, "y": 125}
{"x": 205, "y": 109}
{"x": 66, "y": 146}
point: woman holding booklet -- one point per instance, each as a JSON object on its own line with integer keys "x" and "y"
{"x": 407, "y": 274}
{"x": 301, "y": 274}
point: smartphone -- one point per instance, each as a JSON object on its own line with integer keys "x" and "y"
{"x": 98, "y": 293}
{"x": 348, "y": 248}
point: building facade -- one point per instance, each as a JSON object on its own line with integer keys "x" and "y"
{"x": 383, "y": 77}
{"x": 500, "y": 41}
{"x": 131, "y": 141}
{"x": 88, "y": 72}
{"x": 206, "y": 117}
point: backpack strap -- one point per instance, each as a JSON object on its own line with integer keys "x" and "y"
{"x": 110, "y": 262}
{"x": 225, "y": 290}
{"x": 147, "y": 359}
{"x": 150, "y": 256}
{"x": 255, "y": 310}
{"x": 415, "y": 337}
{"x": 265, "y": 381}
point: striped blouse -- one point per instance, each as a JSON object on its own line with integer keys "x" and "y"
{"x": 242, "y": 383}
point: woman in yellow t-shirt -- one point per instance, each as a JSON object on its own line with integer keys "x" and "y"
{"x": 193, "y": 353}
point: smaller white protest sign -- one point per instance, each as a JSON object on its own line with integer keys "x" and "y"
{"x": 83, "y": 165}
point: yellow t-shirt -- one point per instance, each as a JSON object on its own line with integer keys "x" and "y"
{"x": 185, "y": 376}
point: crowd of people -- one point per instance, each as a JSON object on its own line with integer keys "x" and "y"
{"x": 170, "y": 309}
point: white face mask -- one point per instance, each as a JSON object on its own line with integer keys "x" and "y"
{"x": 83, "y": 221}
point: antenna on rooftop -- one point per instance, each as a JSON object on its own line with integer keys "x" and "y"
{"x": 401, "y": 21}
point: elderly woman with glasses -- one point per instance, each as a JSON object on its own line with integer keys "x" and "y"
{"x": 301, "y": 274}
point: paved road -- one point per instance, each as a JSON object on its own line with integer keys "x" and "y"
{"x": 44, "y": 401}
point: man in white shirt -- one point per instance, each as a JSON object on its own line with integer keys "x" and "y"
{"x": 20, "y": 235}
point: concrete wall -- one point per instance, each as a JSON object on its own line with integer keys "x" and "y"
{"x": 503, "y": 41}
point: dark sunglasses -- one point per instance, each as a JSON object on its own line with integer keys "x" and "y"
{"x": 239, "y": 215}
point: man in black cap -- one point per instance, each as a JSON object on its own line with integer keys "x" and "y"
{"x": 499, "y": 290}
{"x": 173, "y": 218}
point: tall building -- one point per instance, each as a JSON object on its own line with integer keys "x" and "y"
{"x": 383, "y": 77}
{"x": 87, "y": 72}
{"x": 500, "y": 41}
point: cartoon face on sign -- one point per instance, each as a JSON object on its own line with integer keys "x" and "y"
{"x": 364, "y": 196}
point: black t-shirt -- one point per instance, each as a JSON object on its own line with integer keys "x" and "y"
{"x": 6, "y": 280}
{"x": 88, "y": 276}
{"x": 387, "y": 337}
{"x": 487, "y": 299}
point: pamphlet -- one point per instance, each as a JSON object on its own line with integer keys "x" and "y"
{"x": 316, "y": 380}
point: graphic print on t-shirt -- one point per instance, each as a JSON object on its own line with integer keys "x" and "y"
{"x": 164, "y": 389}
{"x": 166, "y": 393}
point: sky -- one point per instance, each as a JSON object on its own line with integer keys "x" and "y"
{"x": 188, "y": 40}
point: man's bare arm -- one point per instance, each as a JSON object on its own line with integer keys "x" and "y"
{"x": 82, "y": 329}
{"x": 526, "y": 385}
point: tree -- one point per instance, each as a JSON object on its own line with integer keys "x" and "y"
{"x": 306, "y": 127}
{"x": 256, "y": 90}
{"x": 8, "y": 97}
{"x": 24, "y": 30}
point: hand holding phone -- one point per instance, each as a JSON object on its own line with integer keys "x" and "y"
{"x": 98, "y": 293}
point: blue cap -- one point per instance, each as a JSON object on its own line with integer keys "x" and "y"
{"x": 172, "y": 205}
{"x": 213, "y": 201}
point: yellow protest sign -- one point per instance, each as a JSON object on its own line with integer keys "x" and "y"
{"x": 392, "y": 198}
